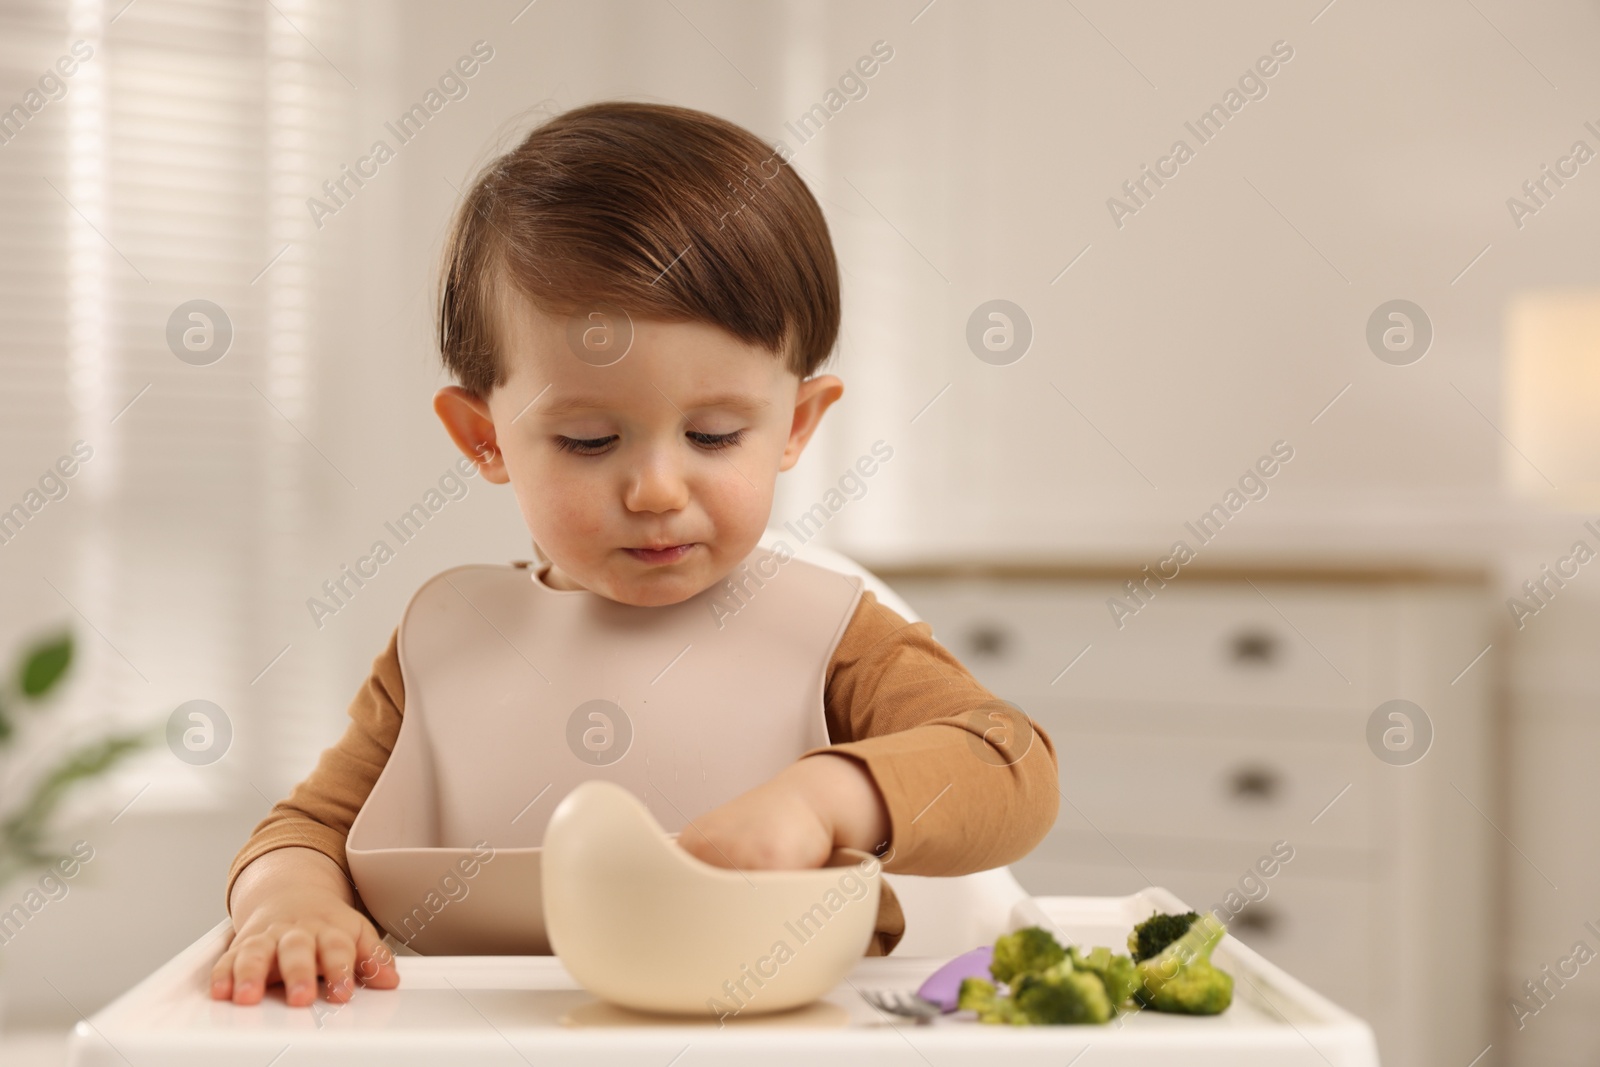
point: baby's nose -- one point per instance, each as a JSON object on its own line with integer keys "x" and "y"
{"x": 658, "y": 485}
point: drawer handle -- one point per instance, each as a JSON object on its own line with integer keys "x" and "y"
{"x": 1255, "y": 647}
{"x": 988, "y": 639}
{"x": 1255, "y": 783}
{"x": 1256, "y": 920}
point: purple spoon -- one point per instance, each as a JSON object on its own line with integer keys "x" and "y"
{"x": 944, "y": 985}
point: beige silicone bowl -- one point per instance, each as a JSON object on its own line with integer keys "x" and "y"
{"x": 642, "y": 923}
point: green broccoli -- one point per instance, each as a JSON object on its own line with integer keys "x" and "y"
{"x": 1157, "y": 932}
{"x": 1116, "y": 973}
{"x": 1047, "y": 984}
{"x": 1169, "y": 970}
{"x": 1032, "y": 948}
{"x": 1062, "y": 994}
{"x": 982, "y": 997}
{"x": 1179, "y": 976}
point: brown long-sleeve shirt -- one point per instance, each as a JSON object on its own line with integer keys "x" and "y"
{"x": 969, "y": 782}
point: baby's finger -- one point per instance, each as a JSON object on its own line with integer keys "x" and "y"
{"x": 338, "y": 952}
{"x": 694, "y": 841}
{"x": 297, "y": 962}
{"x": 253, "y": 964}
{"x": 376, "y": 966}
{"x": 222, "y": 976}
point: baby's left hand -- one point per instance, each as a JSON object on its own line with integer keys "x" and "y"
{"x": 795, "y": 820}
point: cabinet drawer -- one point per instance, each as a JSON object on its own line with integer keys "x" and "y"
{"x": 1238, "y": 787}
{"x": 1290, "y": 644}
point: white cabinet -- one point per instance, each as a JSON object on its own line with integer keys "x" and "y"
{"x": 1230, "y": 717}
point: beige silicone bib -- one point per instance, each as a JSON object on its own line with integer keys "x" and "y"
{"x": 516, "y": 692}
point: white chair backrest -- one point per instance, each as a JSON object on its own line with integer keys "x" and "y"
{"x": 944, "y": 916}
{"x": 812, "y": 552}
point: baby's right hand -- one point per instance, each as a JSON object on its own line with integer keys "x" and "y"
{"x": 295, "y": 936}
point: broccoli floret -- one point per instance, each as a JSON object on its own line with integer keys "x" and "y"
{"x": 1051, "y": 985}
{"x": 1116, "y": 972}
{"x": 1063, "y": 994}
{"x": 1032, "y": 948}
{"x": 980, "y": 996}
{"x": 1157, "y": 932}
{"x": 1180, "y": 977}
{"x": 1197, "y": 990}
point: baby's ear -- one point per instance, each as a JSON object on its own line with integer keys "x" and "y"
{"x": 814, "y": 397}
{"x": 466, "y": 419}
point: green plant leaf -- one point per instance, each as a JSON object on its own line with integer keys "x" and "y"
{"x": 22, "y": 833}
{"x": 44, "y": 665}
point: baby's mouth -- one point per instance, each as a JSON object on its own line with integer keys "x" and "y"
{"x": 660, "y": 555}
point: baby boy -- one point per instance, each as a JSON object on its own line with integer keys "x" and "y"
{"x": 635, "y": 302}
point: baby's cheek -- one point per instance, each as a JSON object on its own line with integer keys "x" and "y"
{"x": 742, "y": 501}
{"x": 572, "y": 520}
{"x": 556, "y": 511}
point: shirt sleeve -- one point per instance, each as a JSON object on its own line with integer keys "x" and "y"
{"x": 969, "y": 780}
{"x": 319, "y": 810}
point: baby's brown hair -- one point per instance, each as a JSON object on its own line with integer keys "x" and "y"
{"x": 666, "y": 212}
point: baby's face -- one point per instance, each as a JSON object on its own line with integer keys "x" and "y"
{"x": 648, "y": 479}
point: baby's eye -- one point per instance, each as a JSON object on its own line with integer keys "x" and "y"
{"x": 713, "y": 441}
{"x": 591, "y": 447}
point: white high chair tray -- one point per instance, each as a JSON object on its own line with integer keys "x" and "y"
{"x": 529, "y": 1010}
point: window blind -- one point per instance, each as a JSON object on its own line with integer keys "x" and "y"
{"x": 171, "y": 166}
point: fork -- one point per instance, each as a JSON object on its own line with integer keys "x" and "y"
{"x": 898, "y": 1002}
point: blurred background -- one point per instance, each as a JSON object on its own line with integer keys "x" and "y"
{"x": 1344, "y": 345}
